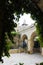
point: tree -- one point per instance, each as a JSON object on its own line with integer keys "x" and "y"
{"x": 7, "y": 10}
{"x": 6, "y": 26}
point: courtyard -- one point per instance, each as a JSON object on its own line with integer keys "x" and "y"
{"x": 27, "y": 59}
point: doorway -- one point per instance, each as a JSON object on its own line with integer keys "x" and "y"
{"x": 36, "y": 47}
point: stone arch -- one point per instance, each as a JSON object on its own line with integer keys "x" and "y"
{"x": 33, "y": 35}
{"x": 24, "y": 37}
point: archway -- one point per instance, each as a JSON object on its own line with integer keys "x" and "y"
{"x": 24, "y": 42}
{"x": 24, "y": 37}
{"x": 36, "y": 47}
{"x": 33, "y": 43}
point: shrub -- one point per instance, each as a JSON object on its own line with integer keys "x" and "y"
{"x": 41, "y": 63}
{"x": 21, "y": 63}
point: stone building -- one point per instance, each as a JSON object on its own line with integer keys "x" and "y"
{"x": 29, "y": 33}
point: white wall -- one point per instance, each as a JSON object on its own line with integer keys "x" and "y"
{"x": 27, "y": 30}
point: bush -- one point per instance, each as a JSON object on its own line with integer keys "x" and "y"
{"x": 41, "y": 63}
{"x": 21, "y": 63}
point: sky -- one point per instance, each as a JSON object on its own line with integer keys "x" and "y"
{"x": 27, "y": 19}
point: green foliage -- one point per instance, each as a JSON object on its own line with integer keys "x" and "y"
{"x": 21, "y": 63}
{"x": 39, "y": 30}
{"x": 41, "y": 63}
{"x": 6, "y": 26}
{"x": 37, "y": 64}
{"x": 14, "y": 33}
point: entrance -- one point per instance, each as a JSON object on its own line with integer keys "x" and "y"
{"x": 34, "y": 43}
{"x": 36, "y": 47}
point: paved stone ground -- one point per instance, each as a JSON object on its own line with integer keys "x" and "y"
{"x": 27, "y": 59}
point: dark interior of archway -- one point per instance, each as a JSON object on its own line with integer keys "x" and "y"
{"x": 36, "y": 47}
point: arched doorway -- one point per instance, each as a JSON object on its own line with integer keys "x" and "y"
{"x": 24, "y": 42}
{"x": 24, "y": 37}
{"x": 35, "y": 45}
